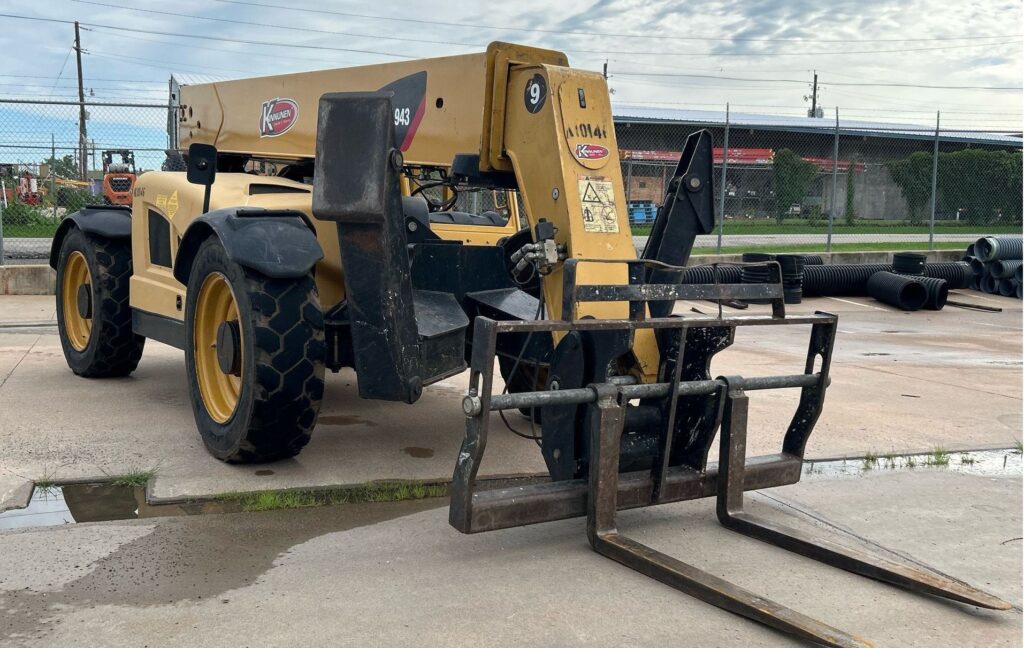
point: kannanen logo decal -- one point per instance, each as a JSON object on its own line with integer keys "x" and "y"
{"x": 277, "y": 116}
{"x": 591, "y": 151}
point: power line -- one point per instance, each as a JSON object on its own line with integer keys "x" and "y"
{"x": 212, "y": 38}
{"x": 62, "y": 66}
{"x": 216, "y": 49}
{"x": 36, "y": 76}
{"x": 451, "y": 44}
{"x": 606, "y": 34}
{"x": 805, "y": 81}
{"x": 272, "y": 26}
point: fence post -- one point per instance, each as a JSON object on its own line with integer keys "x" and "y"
{"x": 835, "y": 178}
{"x": 3, "y": 202}
{"x": 721, "y": 185}
{"x": 935, "y": 185}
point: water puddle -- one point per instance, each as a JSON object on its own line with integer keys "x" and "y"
{"x": 72, "y": 503}
{"x": 986, "y": 463}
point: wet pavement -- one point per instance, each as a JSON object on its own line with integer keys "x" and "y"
{"x": 901, "y": 382}
{"x": 397, "y": 574}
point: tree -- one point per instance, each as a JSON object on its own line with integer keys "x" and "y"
{"x": 913, "y": 175}
{"x": 851, "y": 214}
{"x": 792, "y": 177}
{"x": 984, "y": 186}
{"x": 63, "y": 167}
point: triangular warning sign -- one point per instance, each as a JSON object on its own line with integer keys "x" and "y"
{"x": 590, "y": 194}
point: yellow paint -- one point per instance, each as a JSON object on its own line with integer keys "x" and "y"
{"x": 559, "y": 149}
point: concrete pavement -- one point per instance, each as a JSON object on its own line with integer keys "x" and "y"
{"x": 901, "y": 382}
{"x": 398, "y": 575}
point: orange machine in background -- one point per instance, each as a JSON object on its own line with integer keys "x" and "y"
{"x": 118, "y": 177}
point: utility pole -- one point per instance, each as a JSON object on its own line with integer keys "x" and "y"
{"x": 814, "y": 97}
{"x": 83, "y": 162}
{"x": 605, "y": 71}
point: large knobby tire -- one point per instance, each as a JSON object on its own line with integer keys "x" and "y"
{"x": 255, "y": 382}
{"x": 93, "y": 314}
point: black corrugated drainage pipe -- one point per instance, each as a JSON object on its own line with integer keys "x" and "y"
{"x": 840, "y": 279}
{"x": 993, "y": 248}
{"x": 906, "y": 293}
{"x": 1006, "y": 288}
{"x": 989, "y": 284}
{"x": 938, "y": 292}
{"x": 705, "y": 274}
{"x": 958, "y": 274}
{"x": 908, "y": 263}
{"x": 1002, "y": 269}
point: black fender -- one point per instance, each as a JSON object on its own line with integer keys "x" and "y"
{"x": 279, "y": 244}
{"x": 109, "y": 222}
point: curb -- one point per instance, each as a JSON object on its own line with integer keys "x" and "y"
{"x": 41, "y": 279}
{"x": 27, "y": 280}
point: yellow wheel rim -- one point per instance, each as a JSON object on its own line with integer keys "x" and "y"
{"x": 216, "y": 304}
{"x": 76, "y": 275}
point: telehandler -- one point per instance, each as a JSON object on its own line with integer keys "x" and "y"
{"x": 118, "y": 177}
{"x": 426, "y": 216}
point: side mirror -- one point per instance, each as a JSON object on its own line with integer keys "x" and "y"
{"x": 202, "y": 168}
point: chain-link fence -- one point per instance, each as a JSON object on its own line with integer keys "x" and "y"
{"x": 51, "y": 166}
{"x": 814, "y": 184}
{"x": 808, "y": 184}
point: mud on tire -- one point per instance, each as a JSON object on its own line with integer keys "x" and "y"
{"x": 112, "y": 349}
{"x": 282, "y": 366}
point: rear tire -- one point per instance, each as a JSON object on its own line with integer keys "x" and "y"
{"x": 265, "y": 406}
{"x": 96, "y": 335}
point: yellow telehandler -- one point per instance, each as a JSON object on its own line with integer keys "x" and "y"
{"x": 413, "y": 219}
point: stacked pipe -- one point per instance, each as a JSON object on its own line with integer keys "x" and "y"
{"x": 756, "y": 274}
{"x": 792, "y": 277}
{"x": 996, "y": 263}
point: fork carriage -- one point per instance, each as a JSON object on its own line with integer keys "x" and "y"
{"x": 640, "y": 444}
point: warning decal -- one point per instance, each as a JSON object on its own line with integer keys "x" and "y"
{"x": 598, "y": 202}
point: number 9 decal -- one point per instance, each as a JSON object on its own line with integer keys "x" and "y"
{"x": 536, "y": 93}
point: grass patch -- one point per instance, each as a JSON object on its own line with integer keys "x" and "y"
{"x": 801, "y": 226}
{"x": 836, "y": 247}
{"x": 133, "y": 478}
{"x": 938, "y": 457}
{"x": 396, "y": 491}
{"x": 869, "y": 460}
{"x": 966, "y": 460}
{"x": 1018, "y": 446}
{"x": 911, "y": 462}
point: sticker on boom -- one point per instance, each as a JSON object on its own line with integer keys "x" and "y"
{"x": 277, "y": 116}
{"x": 591, "y": 152}
{"x": 597, "y": 201}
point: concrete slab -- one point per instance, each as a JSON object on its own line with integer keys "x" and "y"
{"x": 901, "y": 382}
{"x": 15, "y": 492}
{"x": 377, "y": 575}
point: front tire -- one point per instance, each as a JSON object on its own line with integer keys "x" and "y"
{"x": 254, "y": 351}
{"x": 93, "y": 315}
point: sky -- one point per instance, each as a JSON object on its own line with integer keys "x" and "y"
{"x": 875, "y": 58}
